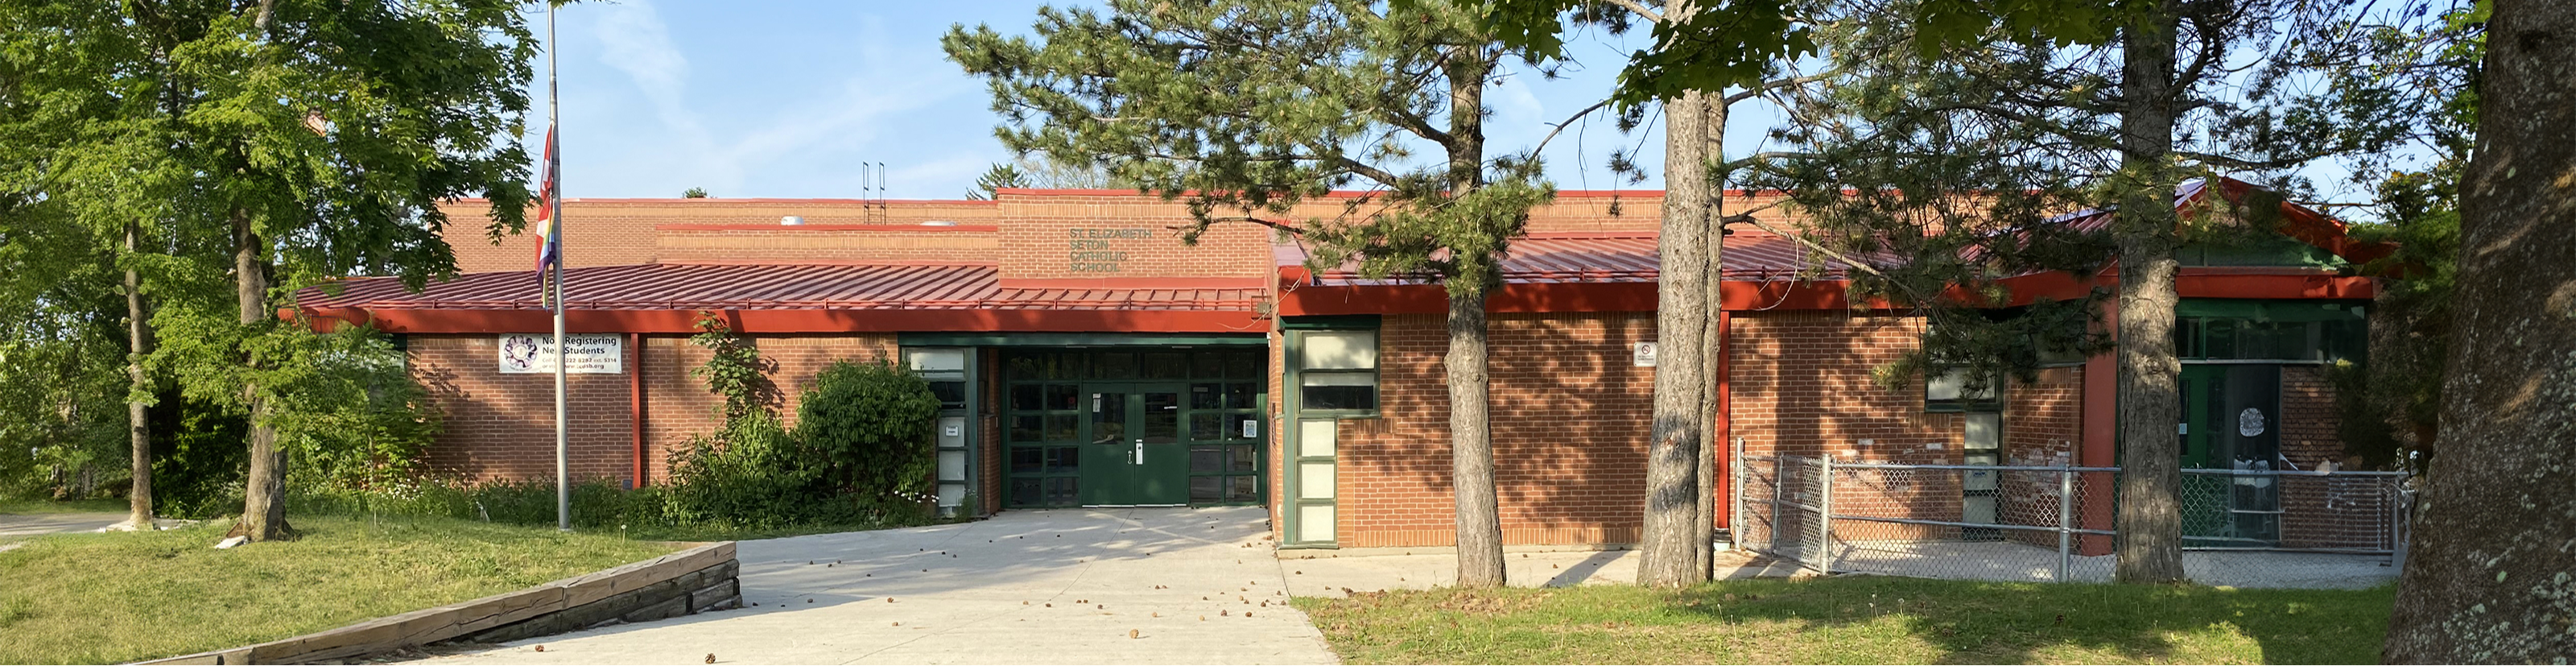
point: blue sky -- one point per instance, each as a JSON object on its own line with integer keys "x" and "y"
{"x": 786, "y": 99}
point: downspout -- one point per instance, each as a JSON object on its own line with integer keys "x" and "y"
{"x": 1725, "y": 450}
{"x": 635, "y": 402}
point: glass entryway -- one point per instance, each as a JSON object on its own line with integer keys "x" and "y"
{"x": 2231, "y": 421}
{"x": 1134, "y": 427}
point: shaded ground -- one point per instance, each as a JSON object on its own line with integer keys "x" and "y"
{"x": 1865, "y": 619}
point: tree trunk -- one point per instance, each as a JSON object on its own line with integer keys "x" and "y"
{"x": 1471, "y": 439}
{"x": 1471, "y": 447}
{"x": 2149, "y": 519}
{"x": 2487, "y": 575}
{"x": 138, "y": 420}
{"x": 264, "y": 494}
{"x": 1666, "y": 557}
{"x": 1712, "y": 441}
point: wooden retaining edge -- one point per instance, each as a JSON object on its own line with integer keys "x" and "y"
{"x": 431, "y": 625}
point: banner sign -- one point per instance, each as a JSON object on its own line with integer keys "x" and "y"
{"x": 534, "y": 353}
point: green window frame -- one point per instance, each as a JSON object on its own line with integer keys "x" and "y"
{"x": 1336, "y": 372}
{"x": 1950, "y": 392}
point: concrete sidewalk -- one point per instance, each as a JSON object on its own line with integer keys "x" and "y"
{"x": 1197, "y": 586}
{"x": 1066, "y": 586}
{"x": 24, "y": 525}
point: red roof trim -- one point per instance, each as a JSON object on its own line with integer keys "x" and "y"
{"x": 818, "y": 228}
{"x": 1180, "y": 283}
{"x": 803, "y": 321}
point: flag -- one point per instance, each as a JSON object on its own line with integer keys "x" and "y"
{"x": 549, "y": 243}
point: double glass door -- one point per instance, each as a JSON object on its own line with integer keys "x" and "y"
{"x": 1134, "y": 454}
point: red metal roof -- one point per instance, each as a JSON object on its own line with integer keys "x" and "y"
{"x": 769, "y": 287}
{"x": 1616, "y": 257}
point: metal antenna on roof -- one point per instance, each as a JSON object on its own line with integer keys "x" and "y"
{"x": 867, "y": 202}
{"x": 881, "y": 193}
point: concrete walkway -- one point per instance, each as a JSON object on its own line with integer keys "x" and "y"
{"x": 14, "y": 526}
{"x": 1197, "y": 586}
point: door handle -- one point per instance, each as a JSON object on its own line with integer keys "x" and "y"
{"x": 1139, "y": 450}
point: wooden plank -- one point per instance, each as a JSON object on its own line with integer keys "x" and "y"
{"x": 430, "y": 625}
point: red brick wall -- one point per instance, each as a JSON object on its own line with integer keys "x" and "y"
{"x": 617, "y": 232}
{"x": 1039, "y": 242}
{"x": 872, "y": 242}
{"x": 2324, "y": 512}
{"x": 1802, "y": 386}
{"x": 2043, "y": 421}
{"x": 1569, "y": 417}
{"x": 502, "y": 426}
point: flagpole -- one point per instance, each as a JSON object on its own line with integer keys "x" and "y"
{"x": 554, "y": 209}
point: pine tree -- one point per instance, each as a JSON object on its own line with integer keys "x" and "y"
{"x": 1245, "y": 108}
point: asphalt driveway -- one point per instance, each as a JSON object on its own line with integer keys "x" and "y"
{"x": 1065, "y": 586}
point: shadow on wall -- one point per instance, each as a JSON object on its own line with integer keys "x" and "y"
{"x": 1568, "y": 411}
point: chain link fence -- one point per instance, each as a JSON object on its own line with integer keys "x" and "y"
{"x": 2247, "y": 528}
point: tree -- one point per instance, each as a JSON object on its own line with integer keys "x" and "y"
{"x": 994, "y": 179}
{"x": 1246, "y": 108}
{"x": 2487, "y": 578}
{"x": 694, "y": 193}
{"x": 307, "y": 139}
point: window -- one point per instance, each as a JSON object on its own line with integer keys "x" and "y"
{"x": 1951, "y": 392}
{"x": 1337, "y": 371}
{"x": 946, "y": 370}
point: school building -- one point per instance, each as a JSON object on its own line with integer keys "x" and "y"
{"x": 1087, "y": 357}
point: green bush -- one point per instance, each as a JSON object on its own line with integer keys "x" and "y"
{"x": 755, "y": 475}
{"x": 873, "y": 422}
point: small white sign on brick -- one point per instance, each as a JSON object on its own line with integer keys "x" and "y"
{"x": 1645, "y": 355}
{"x": 534, "y": 353}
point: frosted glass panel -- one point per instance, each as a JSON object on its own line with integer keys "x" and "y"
{"x": 1315, "y": 480}
{"x": 1315, "y": 438}
{"x": 952, "y": 465}
{"x": 1985, "y": 431}
{"x": 952, "y": 431}
{"x": 1315, "y": 523}
{"x": 952, "y": 494}
{"x": 936, "y": 359}
{"x": 1339, "y": 350}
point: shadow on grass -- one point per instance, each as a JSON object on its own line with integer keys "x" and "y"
{"x": 1860, "y": 620}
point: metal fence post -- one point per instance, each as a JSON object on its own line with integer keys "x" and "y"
{"x": 1735, "y": 527}
{"x": 1824, "y": 516}
{"x": 2065, "y": 518}
{"x": 1779, "y": 486}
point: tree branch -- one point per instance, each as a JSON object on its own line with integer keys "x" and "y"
{"x": 1569, "y": 120}
{"x": 1639, "y": 9}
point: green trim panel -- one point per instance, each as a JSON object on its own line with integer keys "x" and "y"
{"x": 1329, "y": 321}
{"x": 1075, "y": 340}
{"x": 2270, "y": 310}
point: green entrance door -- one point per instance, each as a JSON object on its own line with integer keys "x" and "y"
{"x": 2231, "y": 421}
{"x": 1134, "y": 455}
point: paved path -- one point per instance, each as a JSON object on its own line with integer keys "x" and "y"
{"x": 14, "y": 525}
{"x": 1067, "y": 586}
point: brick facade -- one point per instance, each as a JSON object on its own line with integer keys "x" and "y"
{"x": 1569, "y": 416}
{"x": 502, "y": 426}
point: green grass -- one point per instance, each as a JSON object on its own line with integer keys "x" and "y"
{"x": 39, "y": 506}
{"x": 107, "y": 598}
{"x": 1858, "y": 620}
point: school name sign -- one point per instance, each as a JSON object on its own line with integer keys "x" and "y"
{"x": 1103, "y": 250}
{"x": 586, "y": 353}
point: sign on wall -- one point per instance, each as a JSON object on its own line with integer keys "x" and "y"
{"x": 1644, "y": 357}
{"x": 591, "y": 353}
{"x": 1104, "y": 250}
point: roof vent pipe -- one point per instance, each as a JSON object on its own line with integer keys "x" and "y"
{"x": 938, "y": 223}
{"x": 791, "y": 221}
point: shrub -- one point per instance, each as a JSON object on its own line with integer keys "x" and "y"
{"x": 873, "y": 422}
{"x": 753, "y": 475}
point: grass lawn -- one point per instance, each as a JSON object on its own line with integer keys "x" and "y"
{"x": 37, "y": 506}
{"x": 1858, "y": 620}
{"x": 107, "y": 598}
